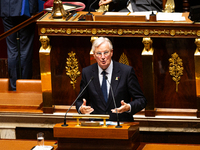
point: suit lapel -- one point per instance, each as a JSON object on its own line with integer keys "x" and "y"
{"x": 114, "y": 81}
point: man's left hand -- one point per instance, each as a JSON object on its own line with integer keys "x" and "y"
{"x": 123, "y": 108}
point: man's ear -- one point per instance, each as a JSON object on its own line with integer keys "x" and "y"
{"x": 111, "y": 52}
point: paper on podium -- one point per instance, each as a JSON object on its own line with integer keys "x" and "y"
{"x": 116, "y": 13}
{"x": 110, "y": 123}
{"x": 170, "y": 16}
{"x": 143, "y": 13}
{"x": 119, "y": 16}
{"x": 45, "y": 147}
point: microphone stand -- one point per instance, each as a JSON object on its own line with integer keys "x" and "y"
{"x": 118, "y": 124}
{"x": 152, "y": 16}
{"x": 64, "y": 125}
{"x": 89, "y": 16}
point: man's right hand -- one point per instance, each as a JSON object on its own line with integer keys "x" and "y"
{"x": 85, "y": 109}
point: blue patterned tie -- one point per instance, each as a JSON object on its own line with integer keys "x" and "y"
{"x": 104, "y": 86}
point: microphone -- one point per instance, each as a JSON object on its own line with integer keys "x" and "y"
{"x": 152, "y": 16}
{"x": 76, "y": 100}
{"x": 89, "y": 16}
{"x": 118, "y": 124}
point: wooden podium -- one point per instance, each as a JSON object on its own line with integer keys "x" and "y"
{"x": 72, "y": 137}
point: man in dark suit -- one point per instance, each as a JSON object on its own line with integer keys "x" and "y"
{"x": 135, "y": 5}
{"x": 11, "y": 13}
{"x": 123, "y": 82}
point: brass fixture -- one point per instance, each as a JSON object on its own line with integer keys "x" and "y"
{"x": 58, "y": 10}
{"x": 72, "y": 68}
{"x": 124, "y": 59}
{"x": 169, "y": 6}
{"x": 175, "y": 68}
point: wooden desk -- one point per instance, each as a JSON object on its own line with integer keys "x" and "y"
{"x": 22, "y": 144}
{"x": 72, "y": 137}
{"x": 161, "y": 146}
{"x": 59, "y": 27}
{"x": 168, "y": 38}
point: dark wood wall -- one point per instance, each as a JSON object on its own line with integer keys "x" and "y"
{"x": 165, "y": 88}
{"x": 165, "y": 93}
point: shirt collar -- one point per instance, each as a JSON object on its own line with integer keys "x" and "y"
{"x": 108, "y": 70}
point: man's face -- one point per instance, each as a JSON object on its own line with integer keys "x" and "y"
{"x": 103, "y": 55}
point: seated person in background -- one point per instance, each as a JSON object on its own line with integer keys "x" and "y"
{"x": 135, "y": 5}
{"x": 97, "y": 98}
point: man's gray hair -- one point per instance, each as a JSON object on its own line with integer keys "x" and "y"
{"x": 100, "y": 41}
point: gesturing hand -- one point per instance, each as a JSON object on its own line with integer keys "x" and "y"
{"x": 123, "y": 108}
{"x": 84, "y": 109}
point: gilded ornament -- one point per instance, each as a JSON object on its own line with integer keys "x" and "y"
{"x": 72, "y": 68}
{"x": 45, "y": 44}
{"x": 169, "y": 6}
{"x": 120, "y": 32}
{"x": 107, "y": 31}
{"x": 123, "y": 59}
{"x": 56, "y": 30}
{"x": 63, "y": 31}
{"x": 148, "y": 49}
{"x": 146, "y": 32}
{"x": 197, "y": 42}
{"x": 43, "y": 30}
{"x": 172, "y": 32}
{"x": 69, "y": 31}
{"x": 193, "y": 32}
{"x": 186, "y": 33}
{"x": 176, "y": 68}
{"x": 140, "y": 31}
{"x": 159, "y": 32}
{"x": 81, "y": 31}
{"x": 133, "y": 32}
{"x": 94, "y": 31}
{"x": 115, "y": 32}
{"x": 198, "y": 33}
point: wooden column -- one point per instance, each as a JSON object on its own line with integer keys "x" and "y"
{"x": 197, "y": 74}
{"x": 45, "y": 71}
{"x": 148, "y": 75}
{"x": 186, "y": 6}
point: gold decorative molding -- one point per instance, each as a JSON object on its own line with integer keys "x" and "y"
{"x": 72, "y": 68}
{"x": 124, "y": 59}
{"x": 176, "y": 68}
{"x": 100, "y": 31}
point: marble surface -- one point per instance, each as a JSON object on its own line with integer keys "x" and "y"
{"x": 9, "y": 121}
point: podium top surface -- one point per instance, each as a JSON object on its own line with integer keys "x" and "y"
{"x": 100, "y": 132}
{"x": 164, "y": 29}
{"x": 109, "y": 18}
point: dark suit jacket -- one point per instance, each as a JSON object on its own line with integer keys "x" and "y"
{"x": 125, "y": 86}
{"x": 12, "y": 8}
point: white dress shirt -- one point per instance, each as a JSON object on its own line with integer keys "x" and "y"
{"x": 108, "y": 74}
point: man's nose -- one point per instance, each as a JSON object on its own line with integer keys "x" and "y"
{"x": 102, "y": 55}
